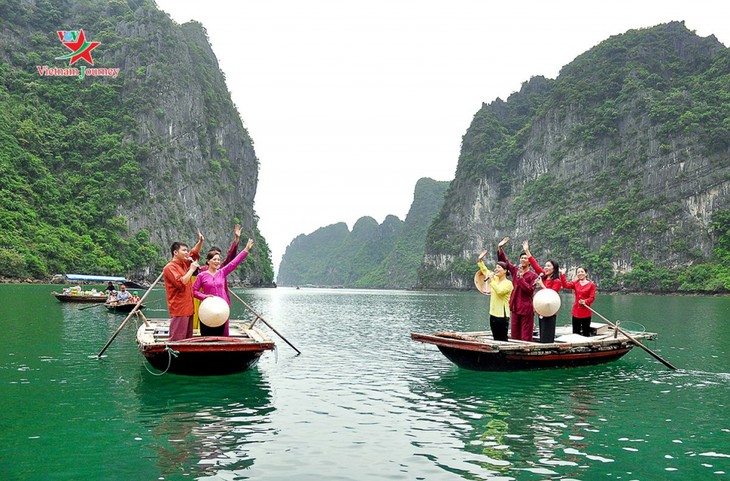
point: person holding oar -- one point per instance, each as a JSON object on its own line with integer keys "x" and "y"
{"x": 179, "y": 287}
{"x": 585, "y": 294}
{"x": 548, "y": 278}
{"x": 212, "y": 282}
{"x": 501, "y": 288}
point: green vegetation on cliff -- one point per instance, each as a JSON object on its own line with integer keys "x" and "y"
{"x": 74, "y": 165}
{"x": 619, "y": 164}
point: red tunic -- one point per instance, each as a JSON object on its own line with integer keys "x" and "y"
{"x": 550, "y": 283}
{"x": 179, "y": 295}
{"x": 587, "y": 292}
{"x": 520, "y": 302}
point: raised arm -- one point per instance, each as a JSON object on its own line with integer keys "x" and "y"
{"x": 233, "y": 250}
{"x": 564, "y": 281}
{"x": 230, "y": 267}
{"x": 501, "y": 256}
{"x": 480, "y": 263}
{"x": 533, "y": 262}
{"x": 195, "y": 251}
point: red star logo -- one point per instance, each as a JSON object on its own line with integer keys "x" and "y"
{"x": 80, "y": 48}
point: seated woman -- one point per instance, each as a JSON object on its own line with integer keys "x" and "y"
{"x": 212, "y": 282}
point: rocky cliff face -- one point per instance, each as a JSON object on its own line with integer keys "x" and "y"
{"x": 622, "y": 159}
{"x": 200, "y": 167}
{"x": 165, "y": 122}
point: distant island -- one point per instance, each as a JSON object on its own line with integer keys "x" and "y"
{"x": 373, "y": 255}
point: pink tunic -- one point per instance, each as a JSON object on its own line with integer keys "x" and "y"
{"x": 207, "y": 284}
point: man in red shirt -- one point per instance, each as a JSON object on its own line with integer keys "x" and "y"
{"x": 520, "y": 302}
{"x": 179, "y": 287}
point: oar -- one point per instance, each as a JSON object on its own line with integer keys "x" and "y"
{"x": 134, "y": 309}
{"x": 635, "y": 341}
{"x": 258, "y": 316}
{"x": 89, "y": 307}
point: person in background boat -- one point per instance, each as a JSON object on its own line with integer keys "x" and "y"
{"x": 123, "y": 294}
{"x": 134, "y": 298}
{"x": 177, "y": 275}
{"x": 112, "y": 297}
{"x": 109, "y": 288}
{"x": 499, "y": 300}
{"x": 520, "y": 301}
{"x": 548, "y": 278}
{"x": 212, "y": 282}
{"x": 585, "y": 294}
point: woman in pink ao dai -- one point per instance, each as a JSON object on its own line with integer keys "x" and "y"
{"x": 212, "y": 282}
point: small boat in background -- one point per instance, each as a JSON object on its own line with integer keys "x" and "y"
{"x": 202, "y": 355}
{"x": 480, "y": 352}
{"x": 78, "y": 294}
{"x": 75, "y": 294}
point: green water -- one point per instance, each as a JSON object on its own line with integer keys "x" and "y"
{"x": 363, "y": 401}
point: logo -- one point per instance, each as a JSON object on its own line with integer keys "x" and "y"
{"x": 80, "y": 48}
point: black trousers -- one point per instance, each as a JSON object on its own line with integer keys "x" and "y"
{"x": 211, "y": 331}
{"x": 499, "y": 327}
{"x": 582, "y": 326}
{"x": 547, "y": 328}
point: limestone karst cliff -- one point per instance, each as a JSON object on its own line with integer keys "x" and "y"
{"x": 115, "y": 168}
{"x": 617, "y": 164}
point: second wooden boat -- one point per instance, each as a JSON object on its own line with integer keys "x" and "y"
{"x": 479, "y": 351}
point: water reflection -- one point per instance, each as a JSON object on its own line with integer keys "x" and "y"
{"x": 202, "y": 425}
{"x": 521, "y": 424}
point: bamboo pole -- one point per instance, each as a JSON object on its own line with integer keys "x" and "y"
{"x": 635, "y": 341}
{"x": 134, "y": 309}
{"x": 258, "y": 316}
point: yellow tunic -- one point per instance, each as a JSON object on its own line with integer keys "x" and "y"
{"x": 501, "y": 290}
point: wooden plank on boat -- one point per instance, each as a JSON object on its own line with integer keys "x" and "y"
{"x": 253, "y": 334}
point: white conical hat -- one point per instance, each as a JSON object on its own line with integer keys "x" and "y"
{"x": 546, "y": 302}
{"x": 214, "y": 311}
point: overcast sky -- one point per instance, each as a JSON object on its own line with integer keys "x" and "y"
{"x": 349, "y": 103}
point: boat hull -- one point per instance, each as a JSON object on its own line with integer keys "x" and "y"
{"x": 201, "y": 363}
{"x": 123, "y": 308}
{"x": 85, "y": 299}
{"x": 479, "y": 352}
{"x": 479, "y": 361}
{"x": 203, "y": 355}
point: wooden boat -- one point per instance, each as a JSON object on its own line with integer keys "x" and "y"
{"x": 101, "y": 297}
{"x": 480, "y": 352}
{"x": 202, "y": 355}
{"x": 122, "y": 307}
{"x": 77, "y": 294}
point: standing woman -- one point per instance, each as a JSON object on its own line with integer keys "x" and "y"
{"x": 212, "y": 282}
{"x": 585, "y": 294}
{"x": 499, "y": 302}
{"x": 549, "y": 278}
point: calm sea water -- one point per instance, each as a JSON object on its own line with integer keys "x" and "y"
{"x": 363, "y": 401}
